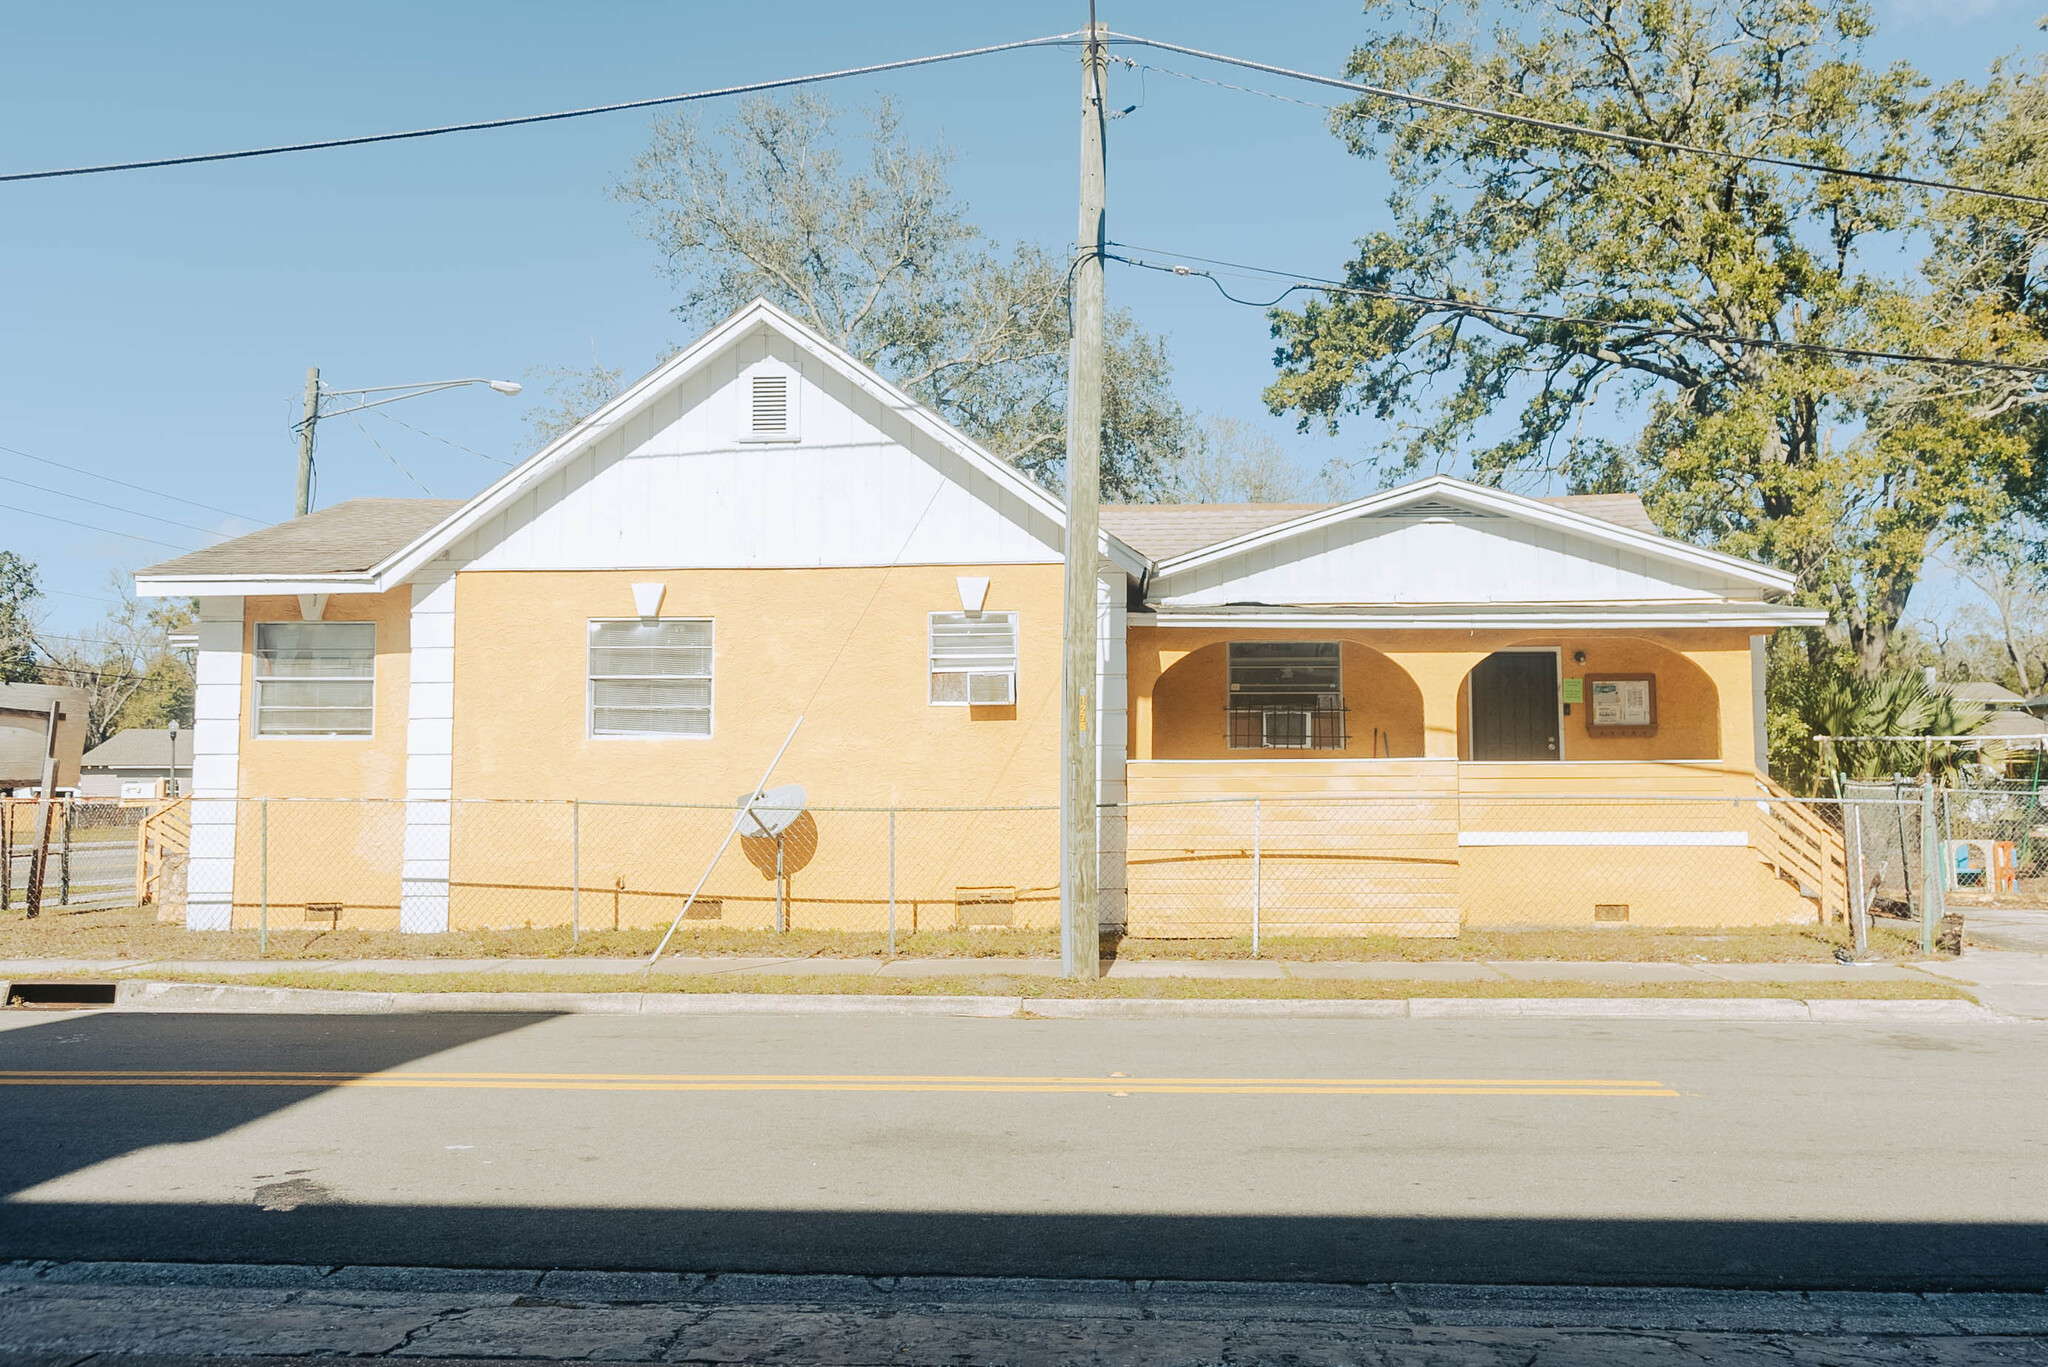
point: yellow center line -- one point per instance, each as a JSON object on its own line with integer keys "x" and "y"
{"x": 838, "y": 1082}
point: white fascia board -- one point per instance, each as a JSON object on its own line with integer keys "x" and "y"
{"x": 1492, "y": 616}
{"x": 404, "y": 563}
{"x": 249, "y": 585}
{"x": 1491, "y": 500}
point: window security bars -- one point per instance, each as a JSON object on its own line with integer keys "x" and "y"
{"x": 650, "y": 679}
{"x": 315, "y": 678}
{"x": 1286, "y": 728}
{"x": 1285, "y": 695}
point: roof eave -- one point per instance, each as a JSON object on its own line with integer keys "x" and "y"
{"x": 1727, "y": 614}
{"x": 244, "y": 585}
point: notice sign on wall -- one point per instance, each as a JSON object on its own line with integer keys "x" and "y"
{"x": 1621, "y": 704}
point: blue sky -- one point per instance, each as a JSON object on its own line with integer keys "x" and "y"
{"x": 155, "y": 326}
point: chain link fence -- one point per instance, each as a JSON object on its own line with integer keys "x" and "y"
{"x": 218, "y": 879}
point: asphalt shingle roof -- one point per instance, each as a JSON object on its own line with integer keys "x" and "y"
{"x": 345, "y": 539}
{"x": 140, "y": 747}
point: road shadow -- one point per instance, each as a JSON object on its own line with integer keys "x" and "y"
{"x": 1752, "y": 1254}
{"x": 57, "y": 1130}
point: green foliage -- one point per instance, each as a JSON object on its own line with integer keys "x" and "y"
{"x": 19, "y": 590}
{"x": 1819, "y": 693}
{"x": 1843, "y": 473}
{"x": 864, "y": 241}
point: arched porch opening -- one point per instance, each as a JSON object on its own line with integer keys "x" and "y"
{"x": 1280, "y": 708}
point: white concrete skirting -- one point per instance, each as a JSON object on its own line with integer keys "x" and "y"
{"x": 1518, "y": 838}
{"x": 140, "y": 995}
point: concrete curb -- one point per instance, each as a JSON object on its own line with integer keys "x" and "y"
{"x": 135, "y": 995}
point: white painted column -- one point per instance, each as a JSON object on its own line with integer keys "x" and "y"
{"x": 1112, "y": 742}
{"x": 1760, "y": 720}
{"x": 429, "y": 752}
{"x": 216, "y": 766}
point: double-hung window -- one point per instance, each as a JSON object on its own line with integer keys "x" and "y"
{"x": 650, "y": 678}
{"x": 1285, "y": 695}
{"x": 315, "y": 678}
{"x": 973, "y": 659}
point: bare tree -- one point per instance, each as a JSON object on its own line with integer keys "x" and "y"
{"x": 1231, "y": 461}
{"x": 880, "y": 257}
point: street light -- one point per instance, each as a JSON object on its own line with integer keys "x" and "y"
{"x": 317, "y": 393}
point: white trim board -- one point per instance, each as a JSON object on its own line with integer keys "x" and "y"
{"x": 1600, "y": 839}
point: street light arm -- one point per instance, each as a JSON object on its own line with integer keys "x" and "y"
{"x": 502, "y": 386}
{"x": 410, "y": 391}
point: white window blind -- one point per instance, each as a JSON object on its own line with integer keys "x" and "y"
{"x": 770, "y": 412}
{"x": 315, "y": 678}
{"x": 650, "y": 678}
{"x": 973, "y": 658}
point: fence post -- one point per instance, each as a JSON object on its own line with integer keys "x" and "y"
{"x": 1256, "y": 831}
{"x": 64, "y": 857}
{"x": 1859, "y": 909}
{"x": 6, "y": 854}
{"x": 1933, "y": 877}
{"x": 262, "y": 878}
{"x": 892, "y": 882}
{"x": 575, "y": 873}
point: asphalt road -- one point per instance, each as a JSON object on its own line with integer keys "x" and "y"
{"x": 1631, "y": 1152}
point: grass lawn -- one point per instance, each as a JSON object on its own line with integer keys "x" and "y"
{"x": 996, "y": 984}
{"x": 129, "y": 933}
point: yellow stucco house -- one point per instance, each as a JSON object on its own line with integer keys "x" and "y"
{"x": 764, "y": 528}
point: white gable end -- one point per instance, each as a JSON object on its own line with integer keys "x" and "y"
{"x": 1400, "y": 557}
{"x": 699, "y": 477}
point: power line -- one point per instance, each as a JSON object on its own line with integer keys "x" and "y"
{"x": 430, "y": 436}
{"x": 109, "y": 531}
{"x": 387, "y": 455}
{"x": 1579, "y": 130}
{"x": 110, "y": 507}
{"x": 749, "y": 88}
{"x": 1635, "y": 331}
{"x": 140, "y": 489}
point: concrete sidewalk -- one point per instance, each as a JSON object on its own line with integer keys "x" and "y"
{"x": 2010, "y": 982}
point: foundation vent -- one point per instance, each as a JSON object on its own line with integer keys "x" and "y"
{"x": 1610, "y": 911}
{"x": 984, "y": 906}
{"x": 323, "y": 913}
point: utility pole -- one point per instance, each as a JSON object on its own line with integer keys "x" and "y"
{"x": 1080, "y": 871}
{"x": 306, "y": 424}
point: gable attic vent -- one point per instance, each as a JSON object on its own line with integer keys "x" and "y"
{"x": 770, "y": 413}
{"x": 1431, "y": 507}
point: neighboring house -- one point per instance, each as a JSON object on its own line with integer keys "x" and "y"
{"x": 1989, "y": 696}
{"x": 24, "y": 734}
{"x": 763, "y": 529}
{"x": 141, "y": 754}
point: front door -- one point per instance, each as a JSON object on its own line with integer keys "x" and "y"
{"x": 1514, "y": 706}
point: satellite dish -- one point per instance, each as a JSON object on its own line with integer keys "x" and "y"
{"x": 773, "y": 812}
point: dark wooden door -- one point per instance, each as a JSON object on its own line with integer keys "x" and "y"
{"x": 1514, "y": 706}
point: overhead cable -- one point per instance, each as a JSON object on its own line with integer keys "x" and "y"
{"x": 109, "y": 531}
{"x": 138, "y": 488}
{"x": 749, "y": 88}
{"x": 110, "y": 507}
{"x": 1578, "y": 130}
{"x": 1634, "y": 331}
